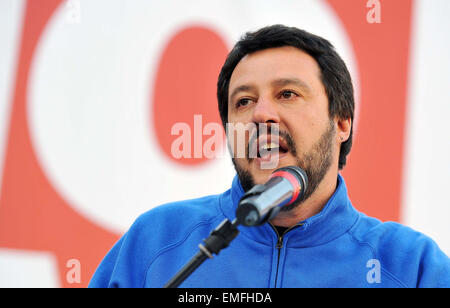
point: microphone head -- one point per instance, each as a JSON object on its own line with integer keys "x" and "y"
{"x": 297, "y": 177}
{"x": 264, "y": 201}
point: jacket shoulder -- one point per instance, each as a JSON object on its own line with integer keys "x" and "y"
{"x": 405, "y": 254}
{"x": 178, "y": 217}
{"x": 198, "y": 208}
{"x": 154, "y": 231}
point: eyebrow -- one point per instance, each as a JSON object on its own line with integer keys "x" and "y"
{"x": 241, "y": 88}
{"x": 291, "y": 81}
{"x": 281, "y": 82}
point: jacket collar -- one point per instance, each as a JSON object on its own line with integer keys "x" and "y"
{"x": 336, "y": 218}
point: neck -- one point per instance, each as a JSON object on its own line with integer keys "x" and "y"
{"x": 311, "y": 206}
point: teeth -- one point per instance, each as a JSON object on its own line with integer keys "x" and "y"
{"x": 269, "y": 146}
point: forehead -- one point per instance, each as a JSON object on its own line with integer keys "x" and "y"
{"x": 264, "y": 66}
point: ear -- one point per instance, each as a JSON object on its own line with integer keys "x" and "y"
{"x": 344, "y": 127}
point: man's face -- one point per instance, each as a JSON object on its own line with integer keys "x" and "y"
{"x": 281, "y": 88}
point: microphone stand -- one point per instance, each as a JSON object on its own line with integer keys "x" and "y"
{"x": 251, "y": 211}
{"x": 219, "y": 239}
{"x": 222, "y": 236}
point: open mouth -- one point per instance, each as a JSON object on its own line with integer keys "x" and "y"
{"x": 267, "y": 147}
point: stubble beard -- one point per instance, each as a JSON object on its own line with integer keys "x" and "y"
{"x": 315, "y": 163}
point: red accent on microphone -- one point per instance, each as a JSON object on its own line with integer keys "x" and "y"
{"x": 292, "y": 179}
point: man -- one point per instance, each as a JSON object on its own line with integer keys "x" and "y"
{"x": 295, "y": 84}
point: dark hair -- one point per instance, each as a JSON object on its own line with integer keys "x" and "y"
{"x": 334, "y": 74}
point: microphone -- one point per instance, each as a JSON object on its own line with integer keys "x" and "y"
{"x": 263, "y": 202}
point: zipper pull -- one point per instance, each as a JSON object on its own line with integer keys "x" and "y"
{"x": 280, "y": 242}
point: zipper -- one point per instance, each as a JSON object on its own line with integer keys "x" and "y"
{"x": 279, "y": 245}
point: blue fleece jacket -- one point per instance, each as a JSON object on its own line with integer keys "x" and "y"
{"x": 339, "y": 247}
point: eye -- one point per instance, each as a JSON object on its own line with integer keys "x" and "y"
{"x": 243, "y": 102}
{"x": 288, "y": 94}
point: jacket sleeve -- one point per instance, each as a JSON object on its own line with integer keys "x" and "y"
{"x": 434, "y": 268}
{"x": 410, "y": 257}
{"x": 126, "y": 264}
{"x": 103, "y": 276}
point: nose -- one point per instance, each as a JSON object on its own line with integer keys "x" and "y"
{"x": 265, "y": 111}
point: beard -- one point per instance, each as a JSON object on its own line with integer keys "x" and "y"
{"x": 315, "y": 163}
